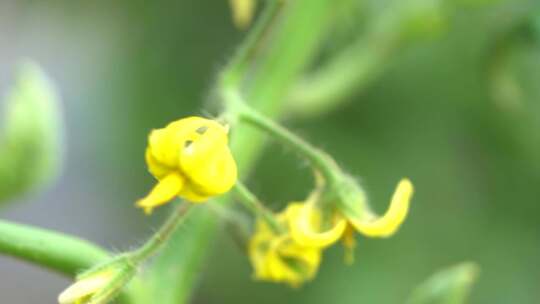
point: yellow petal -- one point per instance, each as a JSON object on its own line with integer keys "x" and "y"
{"x": 387, "y": 224}
{"x": 242, "y": 11}
{"x": 166, "y": 144}
{"x": 303, "y": 260}
{"x": 163, "y": 147}
{"x": 166, "y": 189}
{"x": 191, "y": 194}
{"x": 278, "y": 258}
{"x": 287, "y": 262}
{"x": 305, "y": 221}
{"x": 214, "y": 174}
{"x": 84, "y": 287}
{"x": 158, "y": 170}
{"x": 279, "y": 271}
{"x": 207, "y": 161}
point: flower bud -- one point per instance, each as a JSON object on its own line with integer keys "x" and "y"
{"x": 30, "y": 147}
{"x": 191, "y": 159}
{"x": 83, "y": 289}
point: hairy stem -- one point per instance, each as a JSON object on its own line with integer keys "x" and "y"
{"x": 318, "y": 158}
{"x": 163, "y": 234}
{"x": 251, "y": 202}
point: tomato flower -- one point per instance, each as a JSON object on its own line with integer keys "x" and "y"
{"x": 191, "y": 159}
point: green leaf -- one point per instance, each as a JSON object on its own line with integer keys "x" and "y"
{"x": 30, "y": 148}
{"x": 448, "y": 286}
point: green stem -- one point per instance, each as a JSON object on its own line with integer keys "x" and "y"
{"x": 126, "y": 264}
{"x": 348, "y": 72}
{"x": 352, "y": 69}
{"x": 318, "y": 158}
{"x": 162, "y": 235}
{"x": 251, "y": 202}
{"x": 236, "y": 68}
{"x": 65, "y": 254}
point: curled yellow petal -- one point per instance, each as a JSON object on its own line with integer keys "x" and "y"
{"x": 305, "y": 225}
{"x": 242, "y": 12}
{"x": 388, "y": 224}
{"x": 166, "y": 189}
{"x": 84, "y": 288}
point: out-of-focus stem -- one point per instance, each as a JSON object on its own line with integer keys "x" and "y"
{"x": 251, "y": 202}
{"x": 353, "y": 68}
{"x": 236, "y": 68}
{"x": 62, "y": 253}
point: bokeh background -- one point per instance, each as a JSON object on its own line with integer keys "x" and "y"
{"x": 457, "y": 111}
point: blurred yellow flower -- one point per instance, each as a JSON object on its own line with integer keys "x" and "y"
{"x": 191, "y": 159}
{"x": 80, "y": 291}
{"x": 276, "y": 257}
{"x": 308, "y": 229}
{"x": 242, "y": 12}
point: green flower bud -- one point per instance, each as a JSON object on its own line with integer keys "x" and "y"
{"x": 30, "y": 146}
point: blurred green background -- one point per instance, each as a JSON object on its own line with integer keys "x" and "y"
{"x": 456, "y": 110}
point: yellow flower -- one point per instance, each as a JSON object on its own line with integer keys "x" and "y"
{"x": 191, "y": 159}
{"x": 242, "y": 12}
{"x": 83, "y": 289}
{"x": 308, "y": 229}
{"x": 277, "y": 257}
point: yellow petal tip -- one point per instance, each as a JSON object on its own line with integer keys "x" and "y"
{"x": 165, "y": 190}
{"x": 406, "y": 188}
{"x": 389, "y": 223}
{"x": 147, "y": 209}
